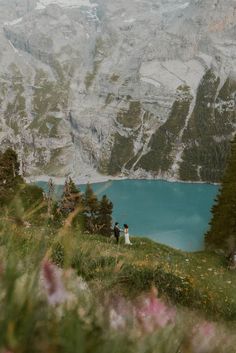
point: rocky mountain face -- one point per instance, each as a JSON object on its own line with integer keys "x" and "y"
{"x": 143, "y": 88}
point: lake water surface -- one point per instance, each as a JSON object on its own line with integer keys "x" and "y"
{"x": 175, "y": 214}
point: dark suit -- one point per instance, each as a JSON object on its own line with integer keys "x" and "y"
{"x": 117, "y": 233}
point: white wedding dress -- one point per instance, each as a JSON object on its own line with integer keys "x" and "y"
{"x": 127, "y": 241}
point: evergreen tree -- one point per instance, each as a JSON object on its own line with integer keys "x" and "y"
{"x": 91, "y": 206}
{"x": 9, "y": 175}
{"x": 28, "y": 206}
{"x": 105, "y": 216}
{"x": 50, "y": 197}
{"x": 71, "y": 197}
{"x": 222, "y": 233}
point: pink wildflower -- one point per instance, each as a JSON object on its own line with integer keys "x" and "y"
{"x": 120, "y": 313}
{"x": 152, "y": 313}
{"x": 53, "y": 284}
{"x": 117, "y": 321}
{"x": 204, "y": 336}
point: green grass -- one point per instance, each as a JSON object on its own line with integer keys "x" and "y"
{"x": 28, "y": 323}
{"x": 198, "y": 280}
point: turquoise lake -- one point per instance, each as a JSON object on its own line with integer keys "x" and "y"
{"x": 175, "y": 214}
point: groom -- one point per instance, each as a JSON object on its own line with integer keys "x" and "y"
{"x": 117, "y": 231}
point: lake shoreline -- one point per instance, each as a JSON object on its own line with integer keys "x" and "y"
{"x": 176, "y": 214}
{"x": 99, "y": 178}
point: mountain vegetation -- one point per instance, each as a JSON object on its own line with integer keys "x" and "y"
{"x": 9, "y": 175}
{"x": 222, "y": 233}
{"x": 18, "y": 197}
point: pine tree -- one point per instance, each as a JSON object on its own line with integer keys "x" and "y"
{"x": 9, "y": 175}
{"x": 71, "y": 198}
{"x": 50, "y": 197}
{"x": 222, "y": 233}
{"x": 75, "y": 194}
{"x": 91, "y": 206}
{"x": 105, "y": 216}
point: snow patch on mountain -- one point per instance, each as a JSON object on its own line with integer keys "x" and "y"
{"x": 151, "y": 81}
{"x": 41, "y": 4}
{"x": 172, "y": 7}
{"x": 14, "y": 22}
{"x": 130, "y": 20}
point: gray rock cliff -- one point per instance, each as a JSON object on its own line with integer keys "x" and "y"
{"x": 137, "y": 88}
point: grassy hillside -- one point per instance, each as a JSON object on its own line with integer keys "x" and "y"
{"x": 64, "y": 291}
{"x": 197, "y": 280}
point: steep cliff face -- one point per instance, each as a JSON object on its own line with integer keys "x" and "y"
{"x": 137, "y": 88}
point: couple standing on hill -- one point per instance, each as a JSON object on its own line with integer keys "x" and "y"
{"x": 117, "y": 231}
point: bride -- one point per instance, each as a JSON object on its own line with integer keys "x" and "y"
{"x": 126, "y": 233}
